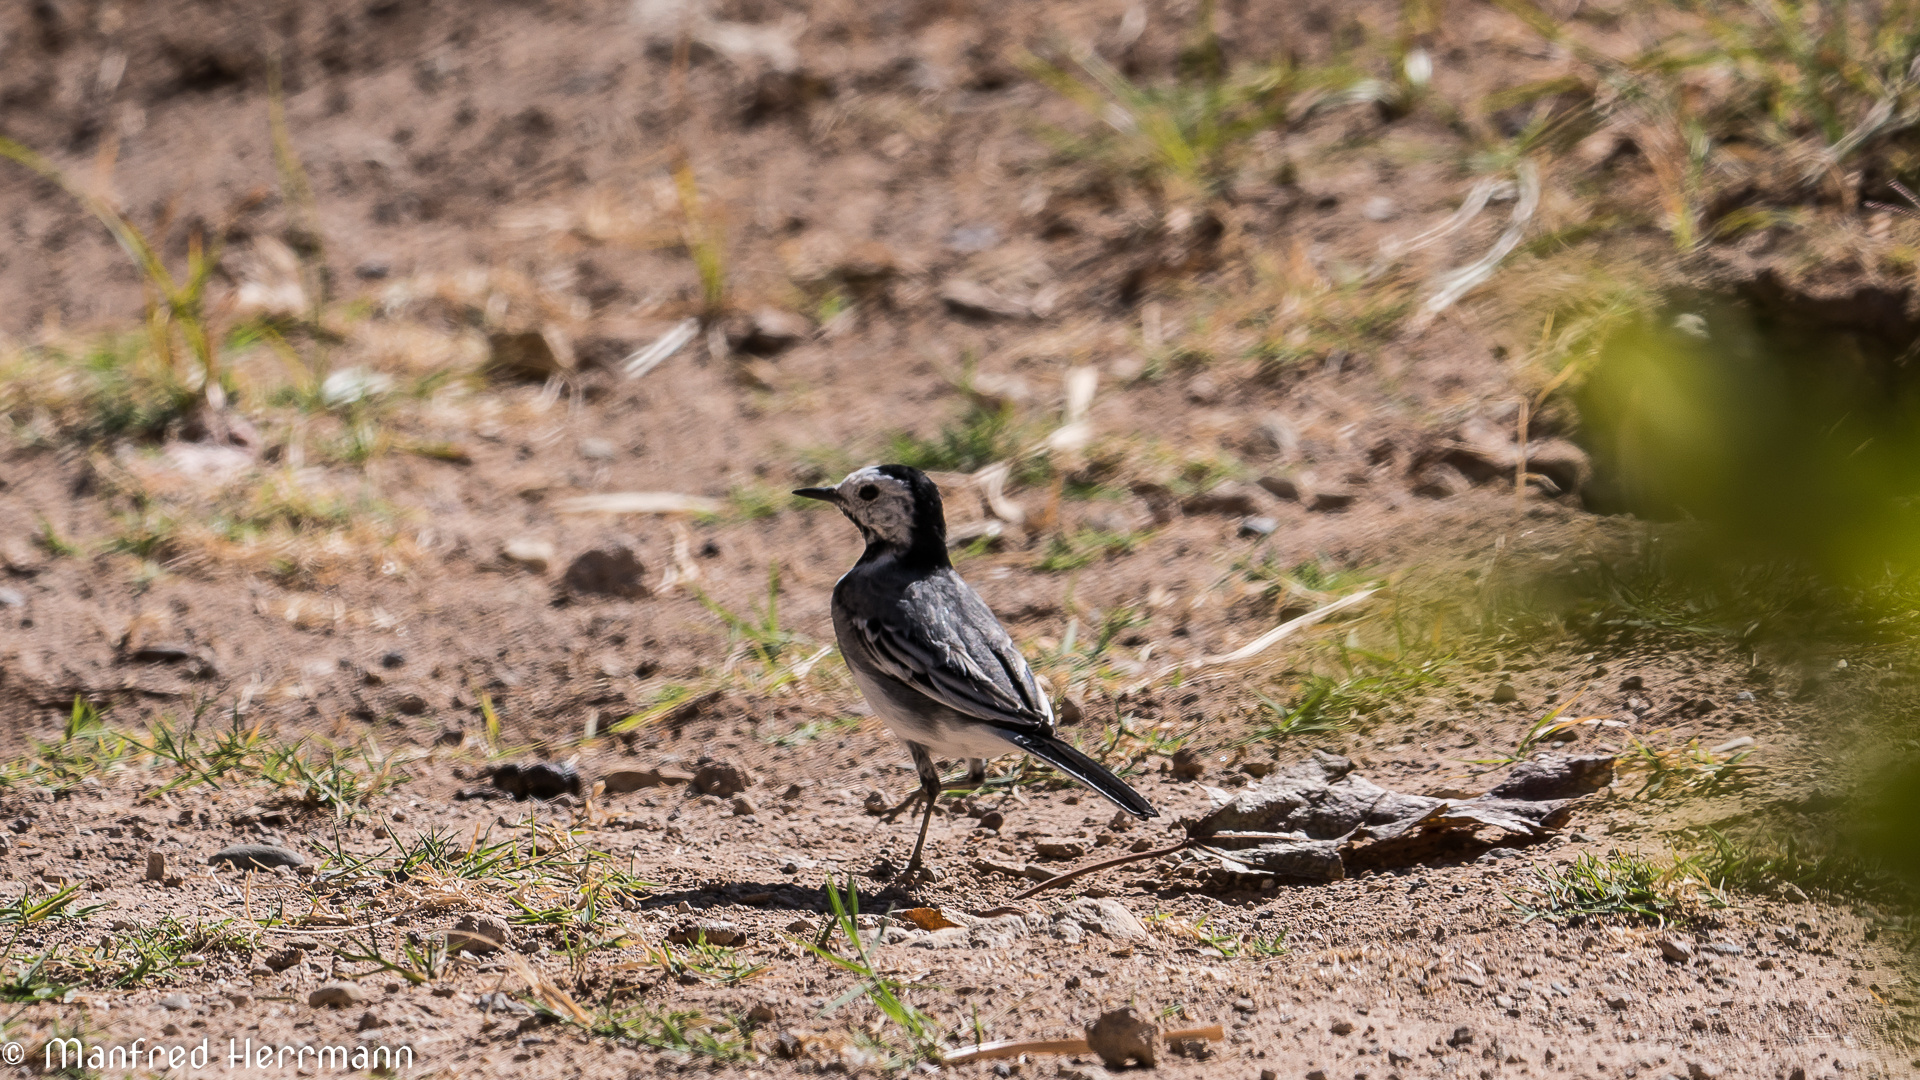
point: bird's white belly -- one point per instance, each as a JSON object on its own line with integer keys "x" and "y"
{"x": 942, "y": 738}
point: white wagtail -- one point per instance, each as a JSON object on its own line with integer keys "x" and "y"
{"x": 928, "y": 654}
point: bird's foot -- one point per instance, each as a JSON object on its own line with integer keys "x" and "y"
{"x": 922, "y": 873}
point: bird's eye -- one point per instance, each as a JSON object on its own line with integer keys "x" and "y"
{"x": 869, "y": 492}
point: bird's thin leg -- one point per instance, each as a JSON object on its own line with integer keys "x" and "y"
{"x": 975, "y": 775}
{"x": 930, "y": 789}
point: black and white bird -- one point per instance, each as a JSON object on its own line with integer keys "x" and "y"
{"x": 928, "y": 654}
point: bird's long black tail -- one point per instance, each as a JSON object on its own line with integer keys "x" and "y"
{"x": 1086, "y": 770}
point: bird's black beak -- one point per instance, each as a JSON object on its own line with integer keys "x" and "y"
{"x": 824, "y": 494}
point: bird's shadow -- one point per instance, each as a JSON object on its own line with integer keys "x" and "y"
{"x": 873, "y": 897}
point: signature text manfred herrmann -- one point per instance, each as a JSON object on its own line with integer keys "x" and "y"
{"x": 240, "y": 1054}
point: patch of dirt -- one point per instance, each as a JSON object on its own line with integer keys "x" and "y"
{"x": 460, "y": 152}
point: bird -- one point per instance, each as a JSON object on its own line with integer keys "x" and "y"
{"x": 928, "y": 654}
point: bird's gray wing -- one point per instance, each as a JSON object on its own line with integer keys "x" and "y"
{"x": 940, "y": 638}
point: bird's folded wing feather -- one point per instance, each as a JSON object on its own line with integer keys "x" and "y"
{"x": 956, "y": 653}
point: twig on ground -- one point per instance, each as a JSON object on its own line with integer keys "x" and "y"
{"x": 1006, "y": 1048}
{"x": 1134, "y": 856}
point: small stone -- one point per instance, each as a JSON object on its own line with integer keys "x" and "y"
{"x": 1245, "y": 1005}
{"x": 1564, "y": 466}
{"x": 477, "y": 933}
{"x": 1505, "y": 694}
{"x": 529, "y": 355}
{"x": 614, "y": 570}
{"x": 1439, "y": 481}
{"x": 1462, "y": 1036}
{"x": 537, "y": 780}
{"x": 1280, "y": 488}
{"x": 1316, "y": 1074}
{"x": 742, "y": 806}
{"x": 497, "y": 1002}
{"x": 373, "y": 270}
{"x": 1632, "y": 682}
{"x": 771, "y": 330}
{"x": 333, "y": 995}
{"x": 691, "y": 932}
{"x": 1122, "y": 1036}
{"x": 1379, "y": 208}
{"x": 1341, "y": 1027}
{"x": 1705, "y": 1070}
{"x": 12, "y": 598}
{"x": 803, "y": 927}
{"x": 722, "y": 778}
{"x": 408, "y": 702}
{"x": 1397, "y": 1056}
{"x": 621, "y": 781}
{"x": 762, "y": 1012}
{"x": 1187, "y": 765}
{"x": 1228, "y": 499}
{"x": 156, "y": 866}
{"x": 1674, "y": 949}
{"x": 1555, "y": 776}
{"x": 876, "y": 803}
{"x": 596, "y": 449}
{"x": 1060, "y": 847}
{"x": 1331, "y": 502}
{"x": 285, "y": 959}
{"x": 1104, "y": 916}
{"x": 368, "y": 1022}
{"x": 992, "y": 819}
{"x": 990, "y": 865}
{"x": 1258, "y": 526}
{"x": 974, "y": 300}
{"x": 1617, "y": 1002}
{"x": 528, "y": 553}
{"x": 176, "y": 1002}
{"x": 391, "y": 660}
{"x": 1269, "y": 1074}
{"x": 256, "y": 857}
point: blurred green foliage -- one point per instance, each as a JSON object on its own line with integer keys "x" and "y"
{"x": 1787, "y": 436}
{"x": 1782, "y": 435}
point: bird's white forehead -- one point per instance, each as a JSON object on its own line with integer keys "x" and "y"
{"x": 872, "y": 475}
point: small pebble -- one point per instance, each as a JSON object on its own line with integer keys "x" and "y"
{"x": 256, "y": 857}
{"x": 335, "y": 994}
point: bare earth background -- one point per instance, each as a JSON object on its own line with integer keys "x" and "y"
{"x": 913, "y": 265}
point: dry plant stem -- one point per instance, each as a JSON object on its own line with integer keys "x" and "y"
{"x": 1007, "y": 1048}
{"x": 1520, "y": 468}
{"x": 1134, "y": 856}
{"x": 1286, "y": 629}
